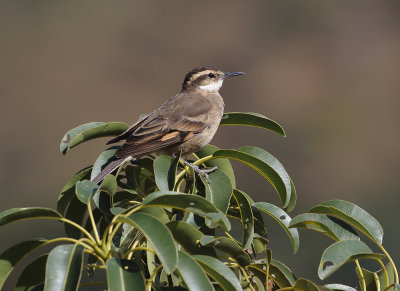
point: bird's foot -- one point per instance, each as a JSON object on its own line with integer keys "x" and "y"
{"x": 201, "y": 172}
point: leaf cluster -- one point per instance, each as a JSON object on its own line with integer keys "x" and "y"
{"x": 157, "y": 225}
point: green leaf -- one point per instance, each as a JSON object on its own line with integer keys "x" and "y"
{"x": 246, "y": 218}
{"x": 219, "y": 192}
{"x": 259, "y": 284}
{"x": 219, "y": 272}
{"x": 16, "y": 214}
{"x": 370, "y": 280}
{"x": 157, "y": 234}
{"x": 157, "y": 212}
{"x": 337, "y": 287}
{"x": 165, "y": 172}
{"x": 192, "y": 274}
{"x": 90, "y": 131}
{"x": 10, "y": 257}
{"x": 251, "y": 119}
{"x": 68, "y": 192}
{"x": 293, "y": 198}
{"x": 342, "y": 252}
{"x": 76, "y": 212}
{"x": 64, "y": 268}
{"x": 33, "y": 274}
{"x": 265, "y": 164}
{"x": 123, "y": 275}
{"x": 109, "y": 185}
{"x": 228, "y": 246}
{"x": 330, "y": 226}
{"x": 353, "y": 215}
{"x": 191, "y": 203}
{"x": 306, "y": 285}
{"x": 283, "y": 219}
{"x": 188, "y": 237}
{"x": 281, "y": 274}
{"x": 259, "y": 271}
{"x": 103, "y": 159}
{"x": 223, "y": 165}
{"x": 85, "y": 190}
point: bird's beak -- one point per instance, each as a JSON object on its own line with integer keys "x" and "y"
{"x": 229, "y": 74}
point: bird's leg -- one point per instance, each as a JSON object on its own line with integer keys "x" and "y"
{"x": 202, "y": 172}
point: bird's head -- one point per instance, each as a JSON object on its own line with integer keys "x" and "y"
{"x": 206, "y": 78}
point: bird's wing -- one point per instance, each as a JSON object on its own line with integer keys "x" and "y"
{"x": 129, "y": 131}
{"x": 177, "y": 121}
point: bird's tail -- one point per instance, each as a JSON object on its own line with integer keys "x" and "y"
{"x": 109, "y": 169}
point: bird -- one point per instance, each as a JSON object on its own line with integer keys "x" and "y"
{"x": 184, "y": 123}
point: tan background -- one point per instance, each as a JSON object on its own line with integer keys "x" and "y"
{"x": 328, "y": 71}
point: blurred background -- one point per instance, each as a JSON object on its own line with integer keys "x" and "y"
{"x": 328, "y": 71}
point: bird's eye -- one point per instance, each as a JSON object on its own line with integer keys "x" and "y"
{"x": 211, "y": 75}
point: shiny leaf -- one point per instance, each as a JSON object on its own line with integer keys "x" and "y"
{"x": 337, "y": 287}
{"x": 165, "y": 172}
{"x": 223, "y": 165}
{"x": 330, "y": 226}
{"x": 109, "y": 185}
{"x": 191, "y": 203}
{"x": 219, "y": 192}
{"x": 64, "y": 268}
{"x": 157, "y": 234}
{"x": 33, "y": 274}
{"x": 90, "y": 131}
{"x": 353, "y": 215}
{"x": 281, "y": 274}
{"x": 10, "y": 257}
{"x": 342, "y": 252}
{"x": 189, "y": 237}
{"x": 76, "y": 212}
{"x": 246, "y": 218}
{"x": 192, "y": 274}
{"x": 228, "y": 246}
{"x": 283, "y": 219}
{"x": 219, "y": 272}
{"x": 306, "y": 285}
{"x": 293, "y": 198}
{"x": 264, "y": 163}
{"x": 68, "y": 192}
{"x": 103, "y": 159}
{"x": 123, "y": 275}
{"x": 251, "y": 119}
{"x": 85, "y": 190}
{"x": 16, "y": 214}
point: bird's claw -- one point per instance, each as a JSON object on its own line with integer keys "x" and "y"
{"x": 201, "y": 172}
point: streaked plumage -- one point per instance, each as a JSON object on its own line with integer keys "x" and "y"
{"x": 186, "y": 122}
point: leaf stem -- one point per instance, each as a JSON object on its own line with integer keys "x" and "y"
{"x": 68, "y": 239}
{"x": 377, "y": 282}
{"x": 78, "y": 227}
{"x": 150, "y": 280}
{"x": 362, "y": 279}
{"x": 96, "y": 234}
{"x": 138, "y": 249}
{"x": 396, "y": 274}
{"x": 96, "y": 255}
{"x": 243, "y": 271}
{"x": 385, "y": 271}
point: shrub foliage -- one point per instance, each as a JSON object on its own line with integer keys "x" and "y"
{"x": 156, "y": 225}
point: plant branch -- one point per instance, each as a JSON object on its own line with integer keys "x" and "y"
{"x": 84, "y": 231}
{"x": 96, "y": 234}
{"x": 362, "y": 279}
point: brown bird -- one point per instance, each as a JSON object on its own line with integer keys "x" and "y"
{"x": 184, "y": 123}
